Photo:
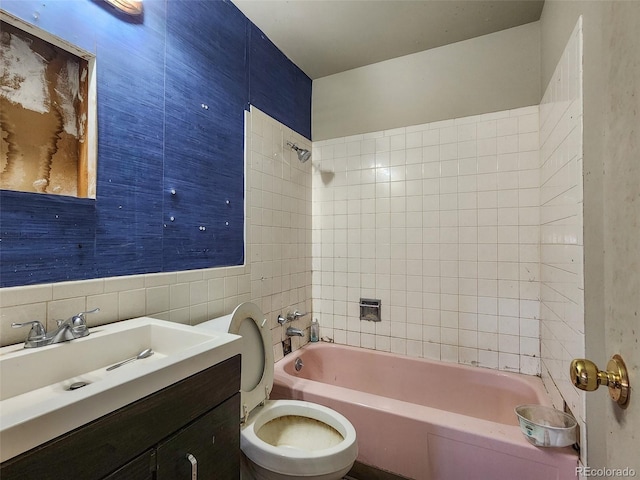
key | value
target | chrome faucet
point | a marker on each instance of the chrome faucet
(294, 332)
(74, 327)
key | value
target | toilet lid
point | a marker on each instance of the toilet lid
(257, 355)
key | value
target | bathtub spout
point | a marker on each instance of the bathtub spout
(294, 332)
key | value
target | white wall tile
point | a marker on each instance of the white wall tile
(446, 229)
(561, 249)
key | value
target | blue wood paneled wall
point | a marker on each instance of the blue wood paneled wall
(172, 90)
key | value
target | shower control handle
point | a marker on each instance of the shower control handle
(291, 316)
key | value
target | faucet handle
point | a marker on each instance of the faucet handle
(77, 323)
(291, 316)
(37, 331)
(79, 317)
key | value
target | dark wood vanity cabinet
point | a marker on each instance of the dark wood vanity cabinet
(152, 438)
(207, 441)
(140, 468)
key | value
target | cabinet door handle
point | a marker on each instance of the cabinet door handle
(194, 466)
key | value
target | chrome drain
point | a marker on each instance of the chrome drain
(77, 385)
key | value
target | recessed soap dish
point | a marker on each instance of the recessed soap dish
(370, 309)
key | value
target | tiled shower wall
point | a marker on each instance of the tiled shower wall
(441, 222)
(279, 219)
(277, 275)
(561, 215)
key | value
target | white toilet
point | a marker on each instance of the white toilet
(282, 439)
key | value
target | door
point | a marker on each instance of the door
(621, 230)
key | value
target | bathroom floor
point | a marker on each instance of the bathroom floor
(360, 471)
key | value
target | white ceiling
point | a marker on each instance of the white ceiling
(324, 37)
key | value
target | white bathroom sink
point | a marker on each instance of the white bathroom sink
(37, 404)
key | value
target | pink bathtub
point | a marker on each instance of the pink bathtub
(423, 419)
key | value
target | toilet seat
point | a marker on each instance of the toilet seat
(257, 353)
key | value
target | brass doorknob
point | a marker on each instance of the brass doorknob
(586, 376)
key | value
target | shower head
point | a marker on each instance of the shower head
(303, 153)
